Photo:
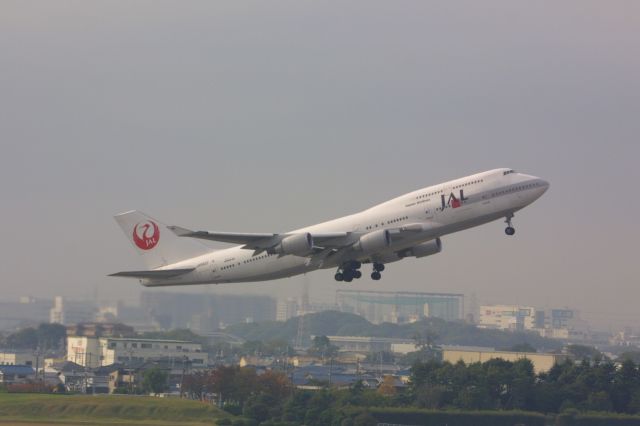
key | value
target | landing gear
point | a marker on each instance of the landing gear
(349, 271)
(509, 230)
(348, 275)
(377, 268)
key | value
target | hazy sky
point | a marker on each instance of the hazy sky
(267, 116)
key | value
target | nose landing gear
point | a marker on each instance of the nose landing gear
(509, 230)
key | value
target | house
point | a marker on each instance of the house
(10, 374)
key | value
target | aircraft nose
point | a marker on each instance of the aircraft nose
(543, 187)
(545, 183)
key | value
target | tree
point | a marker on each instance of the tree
(426, 342)
(431, 396)
(222, 382)
(257, 409)
(380, 357)
(522, 347)
(388, 386)
(581, 352)
(322, 347)
(154, 380)
(521, 387)
(27, 338)
(364, 419)
(632, 355)
(275, 384)
(45, 337)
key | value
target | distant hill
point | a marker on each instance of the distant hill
(334, 323)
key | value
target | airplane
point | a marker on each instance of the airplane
(410, 225)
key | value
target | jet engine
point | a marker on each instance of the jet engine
(373, 241)
(424, 249)
(296, 245)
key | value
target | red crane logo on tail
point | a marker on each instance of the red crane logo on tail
(146, 235)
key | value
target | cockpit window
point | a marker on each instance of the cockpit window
(508, 172)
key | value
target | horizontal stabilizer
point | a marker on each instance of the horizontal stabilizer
(163, 273)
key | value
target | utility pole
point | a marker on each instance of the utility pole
(302, 311)
(184, 367)
(330, 369)
(130, 371)
(37, 354)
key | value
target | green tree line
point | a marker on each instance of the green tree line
(333, 323)
(44, 337)
(496, 388)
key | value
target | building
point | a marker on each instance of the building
(10, 374)
(372, 344)
(128, 378)
(542, 362)
(204, 312)
(400, 307)
(562, 324)
(119, 312)
(96, 329)
(71, 312)
(507, 317)
(286, 309)
(626, 337)
(19, 358)
(23, 312)
(95, 352)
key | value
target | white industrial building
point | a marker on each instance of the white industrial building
(19, 358)
(95, 352)
(69, 312)
(507, 317)
(553, 323)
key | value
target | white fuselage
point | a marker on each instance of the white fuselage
(476, 200)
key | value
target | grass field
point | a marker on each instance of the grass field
(43, 409)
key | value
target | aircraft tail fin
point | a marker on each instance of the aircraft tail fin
(157, 245)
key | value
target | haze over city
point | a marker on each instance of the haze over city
(266, 117)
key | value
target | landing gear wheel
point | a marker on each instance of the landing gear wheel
(348, 275)
(510, 230)
(338, 276)
(378, 266)
(375, 275)
(357, 274)
(348, 279)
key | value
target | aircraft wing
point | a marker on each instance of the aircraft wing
(163, 273)
(223, 237)
(264, 241)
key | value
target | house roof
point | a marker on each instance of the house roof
(16, 369)
(68, 366)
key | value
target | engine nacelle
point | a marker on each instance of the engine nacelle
(296, 245)
(373, 241)
(425, 249)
